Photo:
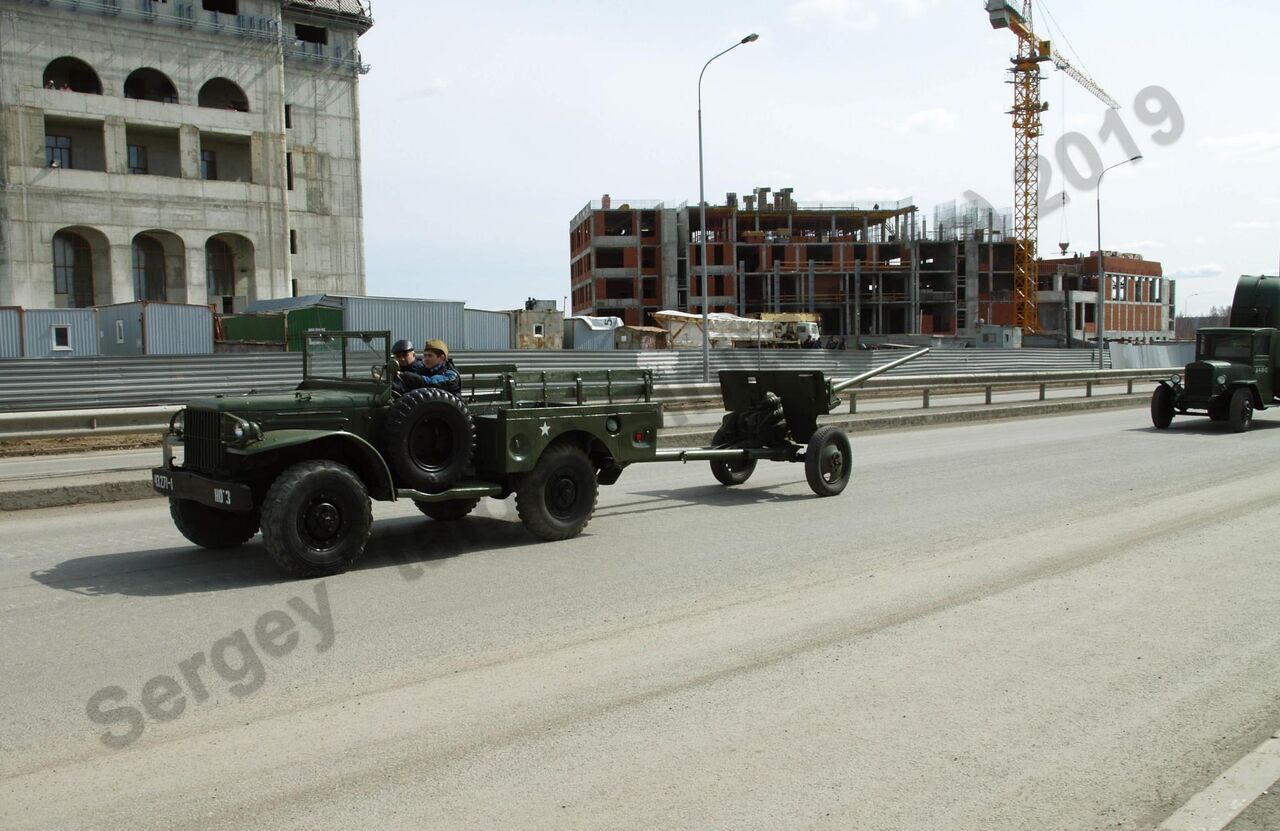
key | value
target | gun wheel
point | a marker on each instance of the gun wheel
(556, 499)
(729, 473)
(828, 461)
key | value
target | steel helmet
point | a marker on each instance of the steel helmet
(402, 346)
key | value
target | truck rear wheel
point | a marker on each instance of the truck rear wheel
(557, 498)
(729, 473)
(1240, 410)
(828, 461)
(450, 511)
(316, 519)
(211, 528)
(1162, 407)
(429, 437)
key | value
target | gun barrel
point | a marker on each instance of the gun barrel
(841, 386)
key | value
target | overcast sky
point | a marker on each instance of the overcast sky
(487, 126)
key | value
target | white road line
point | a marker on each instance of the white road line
(1217, 805)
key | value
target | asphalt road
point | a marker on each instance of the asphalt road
(1055, 623)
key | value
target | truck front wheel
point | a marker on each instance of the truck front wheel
(557, 498)
(316, 519)
(1162, 407)
(211, 528)
(1240, 410)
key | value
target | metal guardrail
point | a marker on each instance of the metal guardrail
(124, 420)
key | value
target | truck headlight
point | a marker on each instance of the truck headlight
(1221, 379)
(237, 432)
(1175, 378)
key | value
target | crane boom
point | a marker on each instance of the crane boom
(1032, 51)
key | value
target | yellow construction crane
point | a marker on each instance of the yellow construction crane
(1032, 51)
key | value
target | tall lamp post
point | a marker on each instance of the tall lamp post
(1102, 277)
(702, 215)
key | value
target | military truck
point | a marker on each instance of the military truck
(1233, 373)
(301, 466)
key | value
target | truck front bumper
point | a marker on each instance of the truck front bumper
(184, 484)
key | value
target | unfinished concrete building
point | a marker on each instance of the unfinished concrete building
(866, 270)
(190, 151)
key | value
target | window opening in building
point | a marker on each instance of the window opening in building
(137, 158)
(220, 6)
(293, 241)
(288, 116)
(61, 336)
(648, 257)
(220, 270)
(72, 271)
(288, 170)
(537, 330)
(221, 94)
(311, 34)
(150, 85)
(209, 165)
(57, 151)
(294, 286)
(72, 75)
(148, 269)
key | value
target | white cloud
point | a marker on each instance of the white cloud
(916, 8)
(1139, 245)
(1196, 272)
(850, 15)
(1253, 225)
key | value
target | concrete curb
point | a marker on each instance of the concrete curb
(129, 485)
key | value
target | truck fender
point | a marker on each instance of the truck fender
(369, 462)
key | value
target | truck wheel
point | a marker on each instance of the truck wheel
(1240, 410)
(729, 473)
(316, 518)
(828, 461)
(429, 436)
(1162, 407)
(454, 509)
(211, 528)
(556, 499)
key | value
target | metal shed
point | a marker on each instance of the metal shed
(584, 332)
(10, 332)
(487, 330)
(148, 328)
(405, 317)
(59, 333)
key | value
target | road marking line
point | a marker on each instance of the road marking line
(1217, 805)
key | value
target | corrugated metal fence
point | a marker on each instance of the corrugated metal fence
(38, 384)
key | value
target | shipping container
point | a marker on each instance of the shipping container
(59, 333)
(148, 328)
(300, 321)
(10, 332)
(268, 327)
(486, 330)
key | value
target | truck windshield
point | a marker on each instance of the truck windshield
(1235, 348)
(338, 356)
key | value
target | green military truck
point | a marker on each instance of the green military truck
(302, 466)
(1234, 371)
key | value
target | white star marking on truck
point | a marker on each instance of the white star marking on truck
(545, 428)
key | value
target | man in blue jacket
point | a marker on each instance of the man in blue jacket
(438, 370)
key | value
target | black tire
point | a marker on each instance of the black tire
(316, 519)
(1217, 413)
(211, 528)
(450, 511)
(429, 437)
(556, 499)
(1162, 407)
(729, 473)
(828, 461)
(1240, 410)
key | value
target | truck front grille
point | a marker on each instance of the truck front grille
(201, 439)
(1199, 379)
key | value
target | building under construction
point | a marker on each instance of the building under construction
(867, 270)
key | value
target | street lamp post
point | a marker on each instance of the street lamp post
(1102, 277)
(702, 215)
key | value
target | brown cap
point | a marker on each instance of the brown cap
(437, 346)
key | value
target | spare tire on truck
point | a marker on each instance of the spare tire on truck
(428, 438)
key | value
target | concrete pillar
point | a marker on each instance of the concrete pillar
(196, 291)
(115, 148)
(122, 272)
(189, 151)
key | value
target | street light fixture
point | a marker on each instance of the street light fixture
(1102, 278)
(702, 215)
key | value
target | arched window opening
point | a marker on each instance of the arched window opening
(72, 271)
(148, 269)
(71, 75)
(221, 94)
(150, 85)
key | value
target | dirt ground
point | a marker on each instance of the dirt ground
(79, 444)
